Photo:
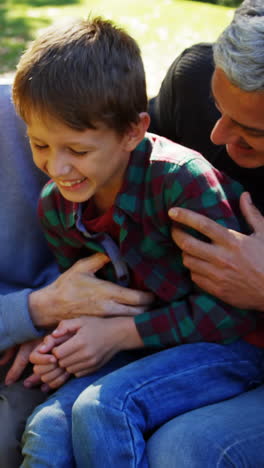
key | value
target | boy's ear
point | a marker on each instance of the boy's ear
(137, 131)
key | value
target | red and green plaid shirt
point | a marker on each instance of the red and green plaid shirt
(160, 175)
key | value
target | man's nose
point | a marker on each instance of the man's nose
(224, 132)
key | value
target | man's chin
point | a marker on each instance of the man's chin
(245, 157)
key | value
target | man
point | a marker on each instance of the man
(231, 266)
(31, 298)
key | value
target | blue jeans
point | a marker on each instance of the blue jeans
(229, 434)
(118, 407)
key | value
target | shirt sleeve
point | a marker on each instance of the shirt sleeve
(16, 325)
(193, 315)
(18, 330)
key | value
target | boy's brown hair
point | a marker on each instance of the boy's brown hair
(84, 73)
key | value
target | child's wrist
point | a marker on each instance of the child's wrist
(129, 337)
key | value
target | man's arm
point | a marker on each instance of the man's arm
(78, 292)
(231, 267)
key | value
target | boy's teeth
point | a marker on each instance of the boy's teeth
(74, 182)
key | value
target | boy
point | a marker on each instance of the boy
(81, 91)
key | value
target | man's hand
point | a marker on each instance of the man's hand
(20, 362)
(232, 266)
(7, 355)
(78, 292)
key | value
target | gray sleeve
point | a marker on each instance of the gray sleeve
(15, 323)
(26, 262)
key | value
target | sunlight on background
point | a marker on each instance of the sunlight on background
(163, 28)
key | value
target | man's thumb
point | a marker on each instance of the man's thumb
(93, 263)
(251, 213)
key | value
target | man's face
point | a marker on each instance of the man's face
(83, 164)
(241, 125)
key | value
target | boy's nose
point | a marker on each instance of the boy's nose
(58, 166)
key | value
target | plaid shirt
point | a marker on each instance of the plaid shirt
(160, 175)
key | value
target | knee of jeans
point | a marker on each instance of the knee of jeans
(42, 420)
(88, 398)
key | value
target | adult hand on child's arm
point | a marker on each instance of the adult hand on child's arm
(78, 292)
(95, 341)
(231, 267)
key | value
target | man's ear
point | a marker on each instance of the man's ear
(136, 132)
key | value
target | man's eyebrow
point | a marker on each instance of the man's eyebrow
(258, 131)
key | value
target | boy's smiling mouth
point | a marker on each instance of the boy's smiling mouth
(71, 183)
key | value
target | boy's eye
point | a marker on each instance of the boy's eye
(78, 153)
(40, 147)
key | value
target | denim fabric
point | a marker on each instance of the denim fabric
(229, 434)
(47, 438)
(118, 409)
(16, 404)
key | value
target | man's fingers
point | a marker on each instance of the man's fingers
(251, 213)
(93, 263)
(32, 381)
(17, 368)
(199, 222)
(193, 246)
(205, 283)
(7, 355)
(132, 297)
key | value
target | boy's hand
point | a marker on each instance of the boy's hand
(46, 367)
(94, 343)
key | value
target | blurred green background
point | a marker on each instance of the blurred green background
(162, 28)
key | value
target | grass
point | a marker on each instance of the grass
(162, 28)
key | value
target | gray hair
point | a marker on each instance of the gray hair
(239, 51)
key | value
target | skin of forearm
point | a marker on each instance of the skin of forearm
(42, 307)
(125, 327)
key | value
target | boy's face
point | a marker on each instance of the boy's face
(83, 164)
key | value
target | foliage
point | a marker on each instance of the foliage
(163, 28)
(228, 3)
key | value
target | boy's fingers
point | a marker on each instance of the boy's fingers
(42, 359)
(59, 381)
(251, 213)
(65, 349)
(53, 375)
(47, 344)
(44, 369)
